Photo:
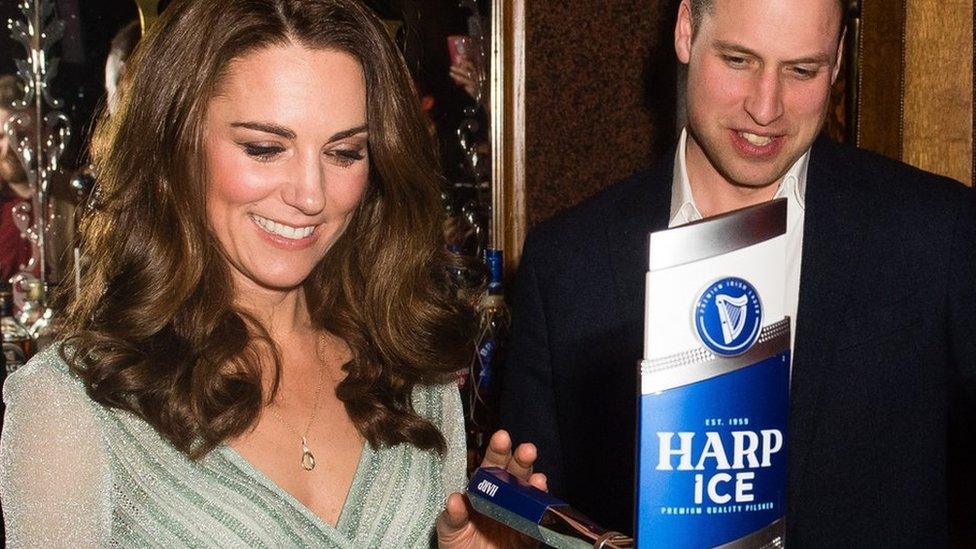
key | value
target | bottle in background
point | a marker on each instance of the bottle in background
(33, 307)
(18, 346)
(482, 401)
(36, 316)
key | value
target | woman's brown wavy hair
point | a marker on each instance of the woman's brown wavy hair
(154, 329)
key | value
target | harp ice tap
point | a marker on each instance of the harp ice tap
(712, 456)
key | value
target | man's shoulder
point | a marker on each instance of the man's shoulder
(588, 217)
(886, 178)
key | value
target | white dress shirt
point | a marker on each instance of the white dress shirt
(793, 187)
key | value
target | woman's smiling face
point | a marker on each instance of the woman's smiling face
(286, 148)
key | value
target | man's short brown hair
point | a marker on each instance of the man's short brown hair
(699, 8)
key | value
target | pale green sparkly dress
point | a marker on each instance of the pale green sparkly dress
(76, 474)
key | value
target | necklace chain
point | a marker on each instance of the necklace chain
(308, 459)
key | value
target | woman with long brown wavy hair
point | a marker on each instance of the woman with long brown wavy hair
(259, 350)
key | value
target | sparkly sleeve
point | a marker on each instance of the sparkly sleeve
(452, 427)
(55, 482)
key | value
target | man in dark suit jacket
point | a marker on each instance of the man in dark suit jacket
(884, 369)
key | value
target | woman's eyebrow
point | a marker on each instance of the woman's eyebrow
(348, 133)
(290, 134)
(266, 127)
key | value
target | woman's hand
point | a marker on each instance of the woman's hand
(458, 527)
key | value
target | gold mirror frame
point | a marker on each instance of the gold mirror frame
(508, 225)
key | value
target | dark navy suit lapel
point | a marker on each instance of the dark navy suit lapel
(633, 218)
(833, 221)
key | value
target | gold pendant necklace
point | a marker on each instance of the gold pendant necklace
(308, 458)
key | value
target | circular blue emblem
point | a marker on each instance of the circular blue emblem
(728, 316)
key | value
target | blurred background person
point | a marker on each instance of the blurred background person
(15, 250)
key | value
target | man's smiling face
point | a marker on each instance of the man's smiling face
(759, 78)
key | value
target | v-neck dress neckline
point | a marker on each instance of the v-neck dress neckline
(351, 507)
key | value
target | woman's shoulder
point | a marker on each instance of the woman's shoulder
(46, 380)
(47, 367)
(441, 405)
(436, 401)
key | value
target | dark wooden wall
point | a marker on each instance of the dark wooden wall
(600, 96)
(916, 83)
(880, 58)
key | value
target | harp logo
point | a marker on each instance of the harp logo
(728, 316)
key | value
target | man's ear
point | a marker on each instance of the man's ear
(840, 56)
(683, 32)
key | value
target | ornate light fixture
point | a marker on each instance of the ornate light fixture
(38, 131)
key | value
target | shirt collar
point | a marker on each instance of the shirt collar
(793, 186)
(682, 203)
